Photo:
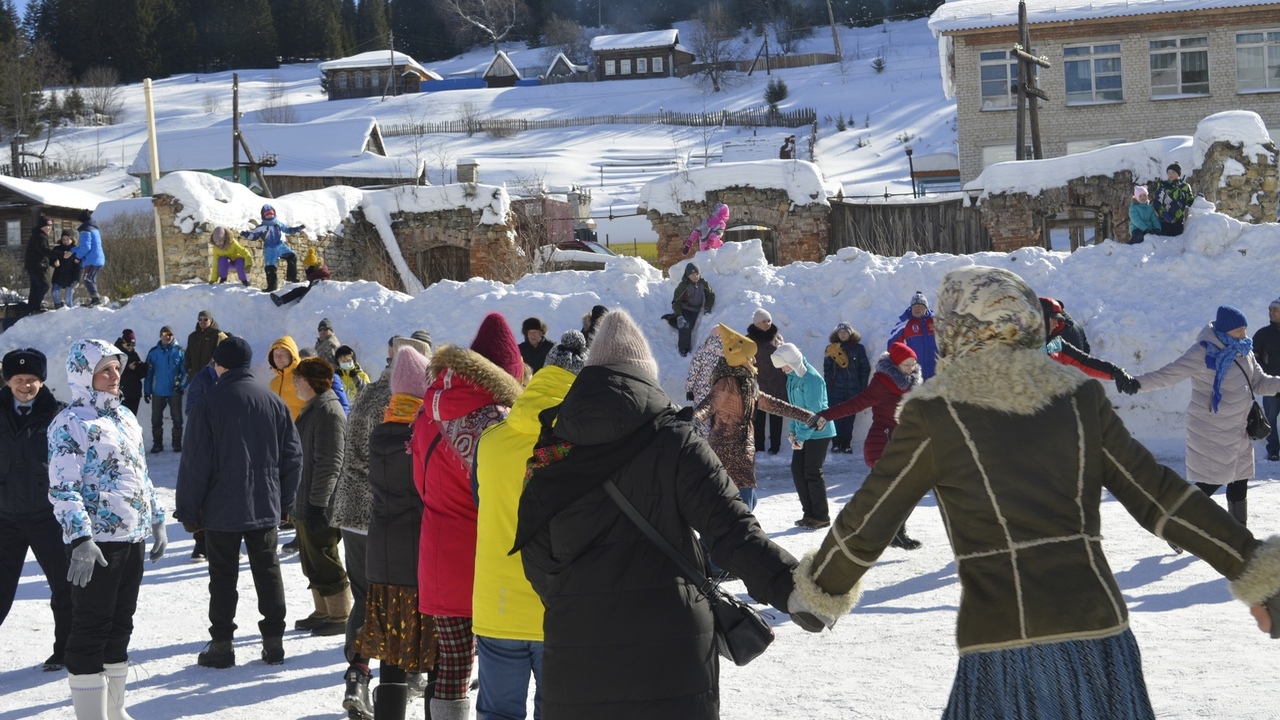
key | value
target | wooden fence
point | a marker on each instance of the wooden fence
(751, 117)
(894, 229)
(38, 170)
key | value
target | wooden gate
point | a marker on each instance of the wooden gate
(444, 262)
(920, 226)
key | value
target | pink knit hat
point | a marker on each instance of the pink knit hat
(409, 372)
(1139, 192)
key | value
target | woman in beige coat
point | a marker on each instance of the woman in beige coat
(1224, 378)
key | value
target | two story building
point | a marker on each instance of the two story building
(1120, 70)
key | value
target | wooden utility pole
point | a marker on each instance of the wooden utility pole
(1028, 92)
(764, 50)
(235, 127)
(835, 39)
(391, 74)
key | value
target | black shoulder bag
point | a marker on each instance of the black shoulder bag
(1256, 425)
(742, 635)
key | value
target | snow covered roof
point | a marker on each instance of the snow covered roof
(561, 60)
(936, 162)
(501, 66)
(43, 193)
(635, 41)
(374, 59)
(802, 181)
(975, 14)
(321, 148)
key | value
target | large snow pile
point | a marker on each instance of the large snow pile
(1241, 128)
(802, 181)
(1142, 305)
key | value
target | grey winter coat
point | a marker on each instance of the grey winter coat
(1219, 450)
(322, 429)
(351, 499)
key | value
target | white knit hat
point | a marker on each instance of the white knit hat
(789, 354)
(618, 341)
(761, 315)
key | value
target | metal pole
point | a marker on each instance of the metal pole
(911, 164)
(235, 127)
(154, 161)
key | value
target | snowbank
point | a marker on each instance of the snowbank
(55, 194)
(802, 181)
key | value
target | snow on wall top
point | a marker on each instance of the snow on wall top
(493, 202)
(974, 14)
(320, 148)
(802, 180)
(635, 41)
(1146, 159)
(211, 200)
(374, 59)
(52, 193)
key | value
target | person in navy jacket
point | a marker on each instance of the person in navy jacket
(915, 328)
(163, 387)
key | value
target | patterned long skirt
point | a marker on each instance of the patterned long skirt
(1070, 680)
(395, 632)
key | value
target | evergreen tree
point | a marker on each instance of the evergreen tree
(10, 27)
(421, 31)
(254, 42)
(351, 22)
(374, 25)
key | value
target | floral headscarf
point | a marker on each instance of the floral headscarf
(981, 308)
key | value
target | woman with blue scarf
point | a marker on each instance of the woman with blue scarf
(1224, 378)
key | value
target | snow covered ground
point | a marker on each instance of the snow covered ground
(894, 656)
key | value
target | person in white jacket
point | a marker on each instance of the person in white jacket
(1224, 378)
(103, 498)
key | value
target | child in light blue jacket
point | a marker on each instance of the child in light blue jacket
(1142, 217)
(807, 389)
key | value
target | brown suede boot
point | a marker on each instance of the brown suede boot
(317, 617)
(337, 608)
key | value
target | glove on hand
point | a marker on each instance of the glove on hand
(707, 311)
(1126, 384)
(805, 616)
(83, 557)
(190, 526)
(816, 421)
(681, 323)
(147, 397)
(314, 519)
(159, 541)
(1270, 611)
(244, 233)
(689, 396)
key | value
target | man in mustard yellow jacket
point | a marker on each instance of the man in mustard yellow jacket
(507, 612)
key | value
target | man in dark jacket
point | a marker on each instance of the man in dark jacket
(26, 517)
(1266, 347)
(237, 478)
(163, 386)
(133, 372)
(200, 344)
(692, 298)
(36, 263)
(534, 348)
(772, 381)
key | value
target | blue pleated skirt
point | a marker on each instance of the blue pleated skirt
(1071, 680)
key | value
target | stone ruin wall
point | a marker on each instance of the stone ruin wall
(801, 232)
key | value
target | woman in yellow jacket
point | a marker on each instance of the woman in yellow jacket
(507, 613)
(283, 359)
(227, 253)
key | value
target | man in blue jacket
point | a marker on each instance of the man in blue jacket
(915, 328)
(236, 480)
(163, 387)
(89, 252)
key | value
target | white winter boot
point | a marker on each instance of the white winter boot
(117, 675)
(450, 709)
(89, 696)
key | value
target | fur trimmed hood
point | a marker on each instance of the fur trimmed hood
(1006, 379)
(903, 383)
(451, 362)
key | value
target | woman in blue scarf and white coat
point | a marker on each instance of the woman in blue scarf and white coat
(1224, 378)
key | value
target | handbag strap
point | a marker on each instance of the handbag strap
(1246, 376)
(706, 586)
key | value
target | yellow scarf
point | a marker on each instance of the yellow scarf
(403, 409)
(835, 351)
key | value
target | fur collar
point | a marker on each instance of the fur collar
(1015, 381)
(762, 337)
(477, 369)
(904, 383)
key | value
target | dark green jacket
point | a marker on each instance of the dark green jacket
(1018, 449)
(677, 301)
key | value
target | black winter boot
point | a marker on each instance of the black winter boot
(217, 654)
(389, 701)
(904, 541)
(273, 650)
(356, 699)
(291, 267)
(271, 278)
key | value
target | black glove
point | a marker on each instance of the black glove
(244, 233)
(314, 518)
(1273, 609)
(302, 226)
(689, 396)
(707, 311)
(147, 397)
(190, 526)
(1126, 384)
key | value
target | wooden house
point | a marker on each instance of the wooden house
(562, 69)
(369, 74)
(302, 156)
(653, 54)
(501, 73)
(22, 202)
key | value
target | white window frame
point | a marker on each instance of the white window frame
(610, 68)
(624, 66)
(642, 66)
(342, 81)
(375, 79)
(1268, 42)
(13, 233)
(657, 64)
(1091, 56)
(358, 78)
(1180, 50)
(986, 60)
(992, 154)
(1075, 147)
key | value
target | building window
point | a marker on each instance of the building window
(13, 233)
(1180, 66)
(642, 66)
(375, 79)
(1093, 73)
(657, 64)
(1075, 147)
(610, 68)
(624, 67)
(1258, 61)
(342, 81)
(992, 154)
(359, 79)
(999, 75)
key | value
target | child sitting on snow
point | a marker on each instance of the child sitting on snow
(316, 272)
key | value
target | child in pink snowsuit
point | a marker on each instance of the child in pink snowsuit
(707, 235)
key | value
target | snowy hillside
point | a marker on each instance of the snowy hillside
(892, 658)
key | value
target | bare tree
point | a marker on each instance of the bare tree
(489, 19)
(715, 43)
(25, 70)
(563, 35)
(102, 92)
(277, 108)
(469, 113)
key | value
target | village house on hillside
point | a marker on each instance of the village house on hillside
(653, 54)
(501, 73)
(1120, 70)
(306, 156)
(22, 202)
(367, 75)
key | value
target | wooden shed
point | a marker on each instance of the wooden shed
(653, 54)
(22, 202)
(501, 73)
(368, 75)
(562, 69)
